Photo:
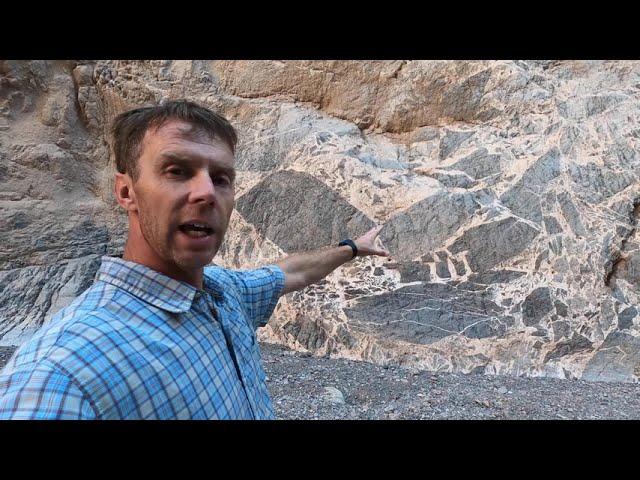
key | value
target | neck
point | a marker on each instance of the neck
(139, 251)
(172, 271)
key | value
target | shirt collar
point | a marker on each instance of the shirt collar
(153, 287)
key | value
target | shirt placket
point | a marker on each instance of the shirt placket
(222, 314)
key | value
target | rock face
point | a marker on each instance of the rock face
(509, 193)
(278, 210)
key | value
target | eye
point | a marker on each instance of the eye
(175, 171)
(221, 180)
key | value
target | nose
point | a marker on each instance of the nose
(202, 189)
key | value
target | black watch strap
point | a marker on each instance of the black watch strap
(352, 244)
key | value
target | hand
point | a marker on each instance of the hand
(366, 244)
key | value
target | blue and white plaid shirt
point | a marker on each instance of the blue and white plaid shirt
(140, 345)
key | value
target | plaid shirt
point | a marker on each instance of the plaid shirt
(140, 345)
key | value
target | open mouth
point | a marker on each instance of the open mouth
(196, 230)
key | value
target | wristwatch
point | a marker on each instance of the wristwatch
(352, 244)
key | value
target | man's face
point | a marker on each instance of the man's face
(184, 196)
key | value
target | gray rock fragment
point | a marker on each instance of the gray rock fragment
(451, 141)
(537, 304)
(427, 224)
(571, 214)
(625, 318)
(333, 396)
(427, 312)
(617, 359)
(479, 164)
(490, 244)
(315, 215)
(524, 198)
(551, 225)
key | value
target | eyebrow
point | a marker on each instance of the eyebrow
(172, 157)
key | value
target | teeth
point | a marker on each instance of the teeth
(197, 225)
(196, 230)
(196, 233)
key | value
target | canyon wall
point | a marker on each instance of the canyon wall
(508, 190)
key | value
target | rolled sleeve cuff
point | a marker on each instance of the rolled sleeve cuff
(278, 276)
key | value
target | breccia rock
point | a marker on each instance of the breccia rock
(285, 202)
(508, 191)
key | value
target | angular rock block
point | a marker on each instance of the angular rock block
(298, 212)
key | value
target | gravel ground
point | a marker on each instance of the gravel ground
(299, 384)
(306, 387)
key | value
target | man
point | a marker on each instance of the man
(160, 335)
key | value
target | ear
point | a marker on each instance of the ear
(124, 192)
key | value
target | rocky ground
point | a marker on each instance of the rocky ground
(306, 387)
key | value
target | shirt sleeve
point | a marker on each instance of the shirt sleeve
(43, 393)
(259, 291)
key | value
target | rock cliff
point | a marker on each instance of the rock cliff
(508, 189)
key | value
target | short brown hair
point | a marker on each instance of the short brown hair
(129, 129)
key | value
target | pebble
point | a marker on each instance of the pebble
(333, 396)
(502, 390)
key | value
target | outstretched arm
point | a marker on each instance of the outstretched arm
(304, 269)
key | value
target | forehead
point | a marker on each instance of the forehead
(181, 137)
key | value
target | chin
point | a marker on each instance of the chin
(195, 261)
(190, 259)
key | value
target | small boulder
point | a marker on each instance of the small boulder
(333, 396)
